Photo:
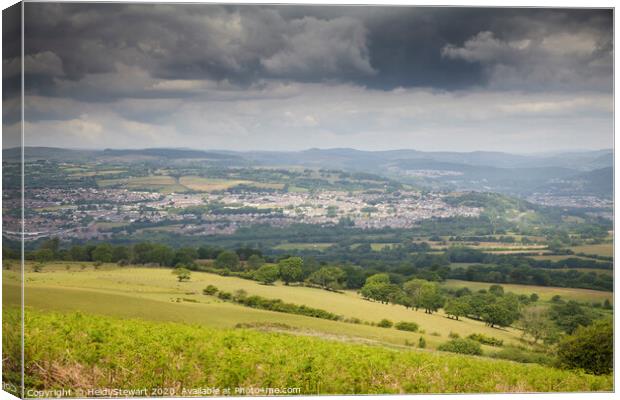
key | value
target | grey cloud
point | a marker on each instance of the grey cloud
(555, 61)
(323, 48)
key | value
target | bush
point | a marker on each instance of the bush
(517, 354)
(461, 346)
(454, 335)
(210, 290)
(590, 348)
(385, 323)
(421, 342)
(224, 295)
(407, 326)
(484, 339)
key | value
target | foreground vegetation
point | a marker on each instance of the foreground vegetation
(83, 351)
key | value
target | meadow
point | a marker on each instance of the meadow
(154, 293)
(545, 292)
(602, 249)
(83, 352)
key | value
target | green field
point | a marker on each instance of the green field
(603, 249)
(201, 184)
(545, 292)
(157, 183)
(120, 353)
(107, 296)
(152, 293)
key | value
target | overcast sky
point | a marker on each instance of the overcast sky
(293, 77)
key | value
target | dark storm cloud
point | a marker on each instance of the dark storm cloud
(294, 77)
(378, 47)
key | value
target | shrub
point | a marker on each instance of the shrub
(421, 342)
(210, 290)
(517, 354)
(182, 274)
(435, 334)
(267, 274)
(224, 295)
(407, 326)
(589, 348)
(461, 346)
(453, 335)
(484, 339)
(385, 323)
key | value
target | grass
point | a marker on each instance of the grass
(201, 184)
(158, 183)
(603, 249)
(152, 293)
(81, 351)
(545, 292)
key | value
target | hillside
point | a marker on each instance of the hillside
(127, 354)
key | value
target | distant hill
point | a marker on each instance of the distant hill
(559, 173)
(169, 153)
(592, 183)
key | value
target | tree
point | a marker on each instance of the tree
(355, 276)
(569, 316)
(430, 297)
(78, 253)
(44, 255)
(255, 261)
(329, 278)
(210, 290)
(52, 244)
(497, 290)
(413, 290)
(456, 308)
(502, 312)
(535, 322)
(378, 279)
(208, 252)
(103, 253)
(589, 348)
(291, 269)
(185, 256)
(227, 259)
(120, 253)
(379, 288)
(267, 274)
(182, 274)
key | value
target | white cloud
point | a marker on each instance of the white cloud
(337, 115)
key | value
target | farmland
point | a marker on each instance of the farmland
(603, 249)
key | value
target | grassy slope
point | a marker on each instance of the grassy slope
(82, 351)
(151, 294)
